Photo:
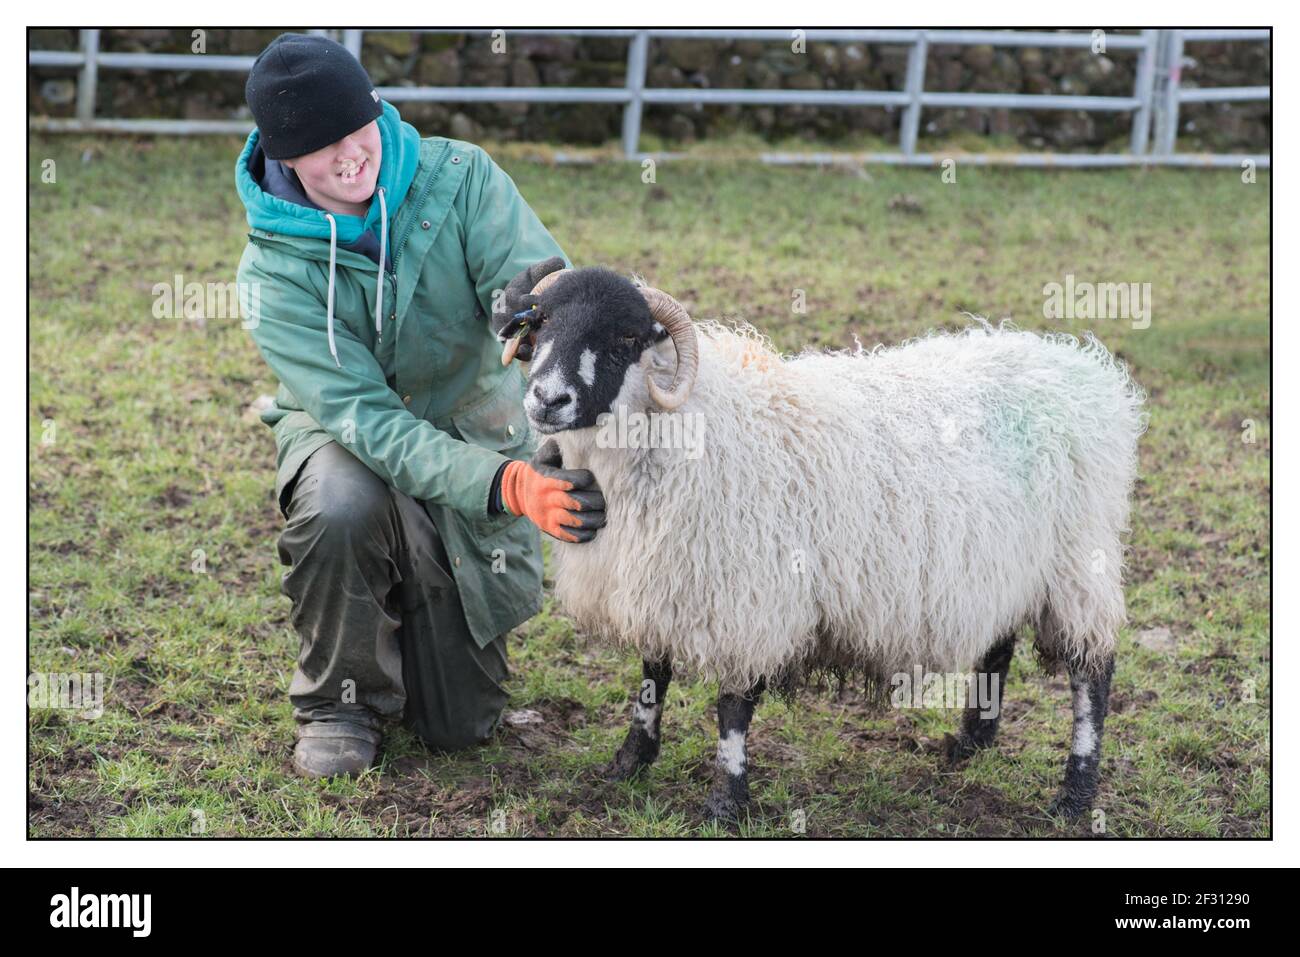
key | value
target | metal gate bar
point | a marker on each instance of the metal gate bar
(1174, 94)
(1157, 94)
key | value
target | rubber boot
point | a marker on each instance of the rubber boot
(327, 748)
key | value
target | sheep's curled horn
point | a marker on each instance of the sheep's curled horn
(669, 313)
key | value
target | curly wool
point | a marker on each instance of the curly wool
(866, 511)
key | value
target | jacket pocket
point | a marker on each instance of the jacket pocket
(498, 422)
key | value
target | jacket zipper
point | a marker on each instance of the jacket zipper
(424, 195)
(406, 233)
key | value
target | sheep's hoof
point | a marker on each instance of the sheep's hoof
(1069, 805)
(957, 749)
(630, 760)
(723, 808)
(728, 798)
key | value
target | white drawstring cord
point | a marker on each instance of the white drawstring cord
(379, 286)
(329, 296)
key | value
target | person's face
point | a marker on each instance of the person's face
(346, 171)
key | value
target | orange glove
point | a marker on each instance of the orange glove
(564, 503)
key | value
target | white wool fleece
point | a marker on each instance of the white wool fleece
(866, 510)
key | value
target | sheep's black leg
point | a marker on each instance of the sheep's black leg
(641, 746)
(978, 726)
(1091, 695)
(730, 792)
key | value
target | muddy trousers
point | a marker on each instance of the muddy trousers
(377, 612)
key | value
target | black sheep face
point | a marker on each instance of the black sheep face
(597, 328)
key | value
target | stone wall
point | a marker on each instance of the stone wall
(397, 59)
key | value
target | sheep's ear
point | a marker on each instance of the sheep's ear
(526, 279)
(518, 293)
(507, 326)
(661, 349)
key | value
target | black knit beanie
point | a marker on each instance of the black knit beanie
(307, 92)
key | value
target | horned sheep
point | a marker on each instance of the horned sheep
(863, 512)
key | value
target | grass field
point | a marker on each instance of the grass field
(144, 468)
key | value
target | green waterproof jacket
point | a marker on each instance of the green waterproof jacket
(399, 365)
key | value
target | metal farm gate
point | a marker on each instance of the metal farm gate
(1155, 101)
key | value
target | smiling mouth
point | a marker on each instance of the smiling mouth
(351, 171)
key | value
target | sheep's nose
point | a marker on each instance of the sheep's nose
(552, 402)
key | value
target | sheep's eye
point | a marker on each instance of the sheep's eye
(630, 340)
